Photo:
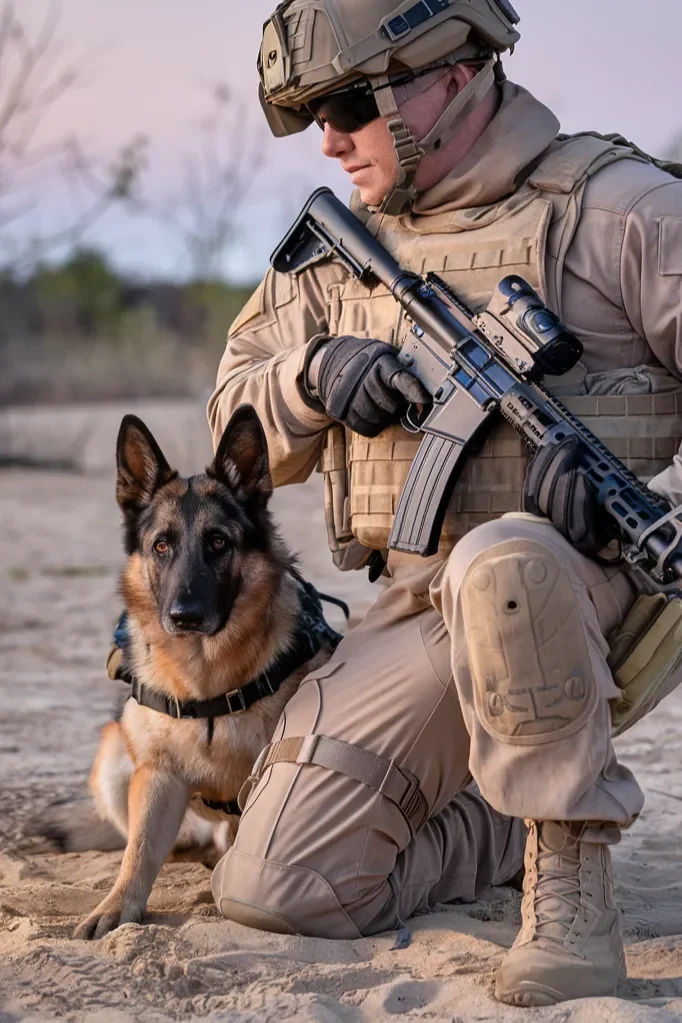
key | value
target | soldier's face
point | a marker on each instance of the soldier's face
(368, 155)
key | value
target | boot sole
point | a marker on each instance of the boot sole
(531, 995)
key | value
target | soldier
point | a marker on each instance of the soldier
(488, 660)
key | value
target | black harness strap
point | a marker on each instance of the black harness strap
(229, 806)
(311, 632)
(337, 602)
(236, 700)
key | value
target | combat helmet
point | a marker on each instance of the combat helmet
(314, 48)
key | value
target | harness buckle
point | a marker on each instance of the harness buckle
(266, 685)
(235, 701)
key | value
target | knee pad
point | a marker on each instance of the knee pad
(532, 675)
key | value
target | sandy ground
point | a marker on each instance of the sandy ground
(59, 559)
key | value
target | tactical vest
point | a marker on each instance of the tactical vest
(528, 234)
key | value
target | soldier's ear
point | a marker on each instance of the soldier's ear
(241, 460)
(141, 468)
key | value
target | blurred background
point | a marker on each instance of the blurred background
(141, 193)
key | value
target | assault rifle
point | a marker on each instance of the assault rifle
(476, 367)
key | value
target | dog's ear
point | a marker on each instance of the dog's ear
(241, 460)
(141, 467)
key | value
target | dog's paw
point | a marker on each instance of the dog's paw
(110, 914)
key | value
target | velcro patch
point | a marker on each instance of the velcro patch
(670, 246)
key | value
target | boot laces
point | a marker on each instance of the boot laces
(558, 891)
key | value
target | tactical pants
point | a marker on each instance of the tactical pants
(490, 664)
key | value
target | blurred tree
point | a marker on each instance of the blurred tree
(82, 296)
(216, 180)
(33, 80)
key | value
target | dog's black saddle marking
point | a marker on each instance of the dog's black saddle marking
(312, 631)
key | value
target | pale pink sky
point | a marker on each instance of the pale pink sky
(610, 65)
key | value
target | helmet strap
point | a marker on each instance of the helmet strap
(409, 152)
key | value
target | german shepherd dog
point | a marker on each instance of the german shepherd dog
(213, 600)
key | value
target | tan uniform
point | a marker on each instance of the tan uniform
(335, 843)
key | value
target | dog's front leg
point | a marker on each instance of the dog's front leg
(157, 801)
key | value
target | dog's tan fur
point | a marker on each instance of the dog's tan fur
(151, 770)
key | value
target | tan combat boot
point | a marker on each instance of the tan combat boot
(570, 944)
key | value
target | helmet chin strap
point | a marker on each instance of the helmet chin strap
(410, 152)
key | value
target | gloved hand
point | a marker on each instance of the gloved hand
(557, 488)
(361, 383)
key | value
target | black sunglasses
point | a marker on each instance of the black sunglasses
(349, 110)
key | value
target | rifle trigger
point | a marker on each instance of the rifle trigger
(411, 421)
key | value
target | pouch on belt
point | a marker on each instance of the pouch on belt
(645, 658)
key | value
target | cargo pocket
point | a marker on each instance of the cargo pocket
(324, 671)
(255, 785)
(257, 782)
(334, 471)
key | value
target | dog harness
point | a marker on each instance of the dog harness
(311, 633)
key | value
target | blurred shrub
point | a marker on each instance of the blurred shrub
(81, 332)
(83, 295)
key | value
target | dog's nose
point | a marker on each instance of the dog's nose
(186, 615)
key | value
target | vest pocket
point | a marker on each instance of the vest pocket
(645, 658)
(378, 468)
(368, 312)
(336, 504)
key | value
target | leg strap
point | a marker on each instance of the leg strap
(377, 773)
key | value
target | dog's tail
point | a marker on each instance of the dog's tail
(73, 826)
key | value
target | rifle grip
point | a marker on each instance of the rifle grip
(425, 495)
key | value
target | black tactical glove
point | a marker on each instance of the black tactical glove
(556, 487)
(361, 383)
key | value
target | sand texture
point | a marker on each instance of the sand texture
(60, 556)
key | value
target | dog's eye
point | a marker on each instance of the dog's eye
(217, 543)
(161, 546)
